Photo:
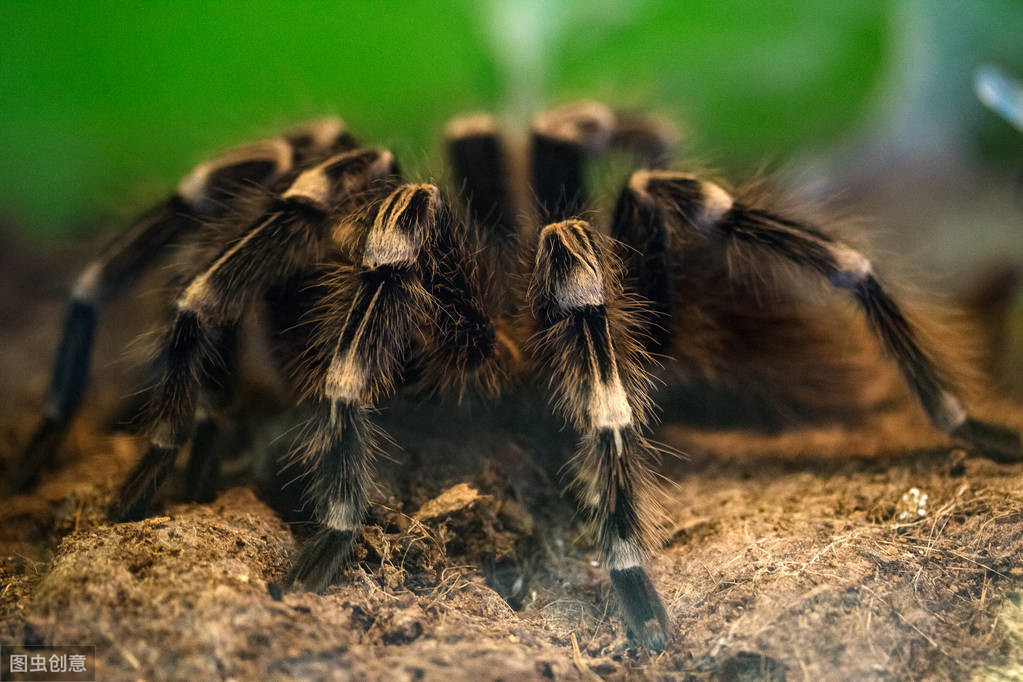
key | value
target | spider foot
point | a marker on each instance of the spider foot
(203, 468)
(37, 455)
(136, 493)
(996, 442)
(321, 560)
(644, 613)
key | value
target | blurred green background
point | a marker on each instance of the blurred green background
(105, 104)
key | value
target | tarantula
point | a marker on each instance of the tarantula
(370, 283)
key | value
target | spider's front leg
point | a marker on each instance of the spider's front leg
(586, 339)
(371, 324)
(288, 237)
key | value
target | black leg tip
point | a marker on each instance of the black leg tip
(996, 442)
(37, 455)
(203, 470)
(125, 511)
(136, 493)
(644, 613)
(321, 561)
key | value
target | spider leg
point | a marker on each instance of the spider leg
(292, 234)
(203, 194)
(708, 210)
(563, 138)
(193, 354)
(476, 152)
(203, 469)
(384, 305)
(311, 143)
(315, 141)
(653, 140)
(473, 257)
(219, 379)
(585, 340)
(463, 350)
(647, 258)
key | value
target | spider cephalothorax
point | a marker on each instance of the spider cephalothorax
(467, 290)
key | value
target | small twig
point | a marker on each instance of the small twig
(580, 665)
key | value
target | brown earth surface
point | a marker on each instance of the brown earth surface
(795, 556)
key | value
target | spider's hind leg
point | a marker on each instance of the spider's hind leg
(586, 340)
(477, 152)
(748, 233)
(206, 193)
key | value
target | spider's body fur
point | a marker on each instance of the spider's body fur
(369, 283)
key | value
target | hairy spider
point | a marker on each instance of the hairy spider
(370, 283)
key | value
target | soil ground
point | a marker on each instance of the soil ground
(801, 555)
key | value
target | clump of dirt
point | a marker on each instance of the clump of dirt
(413, 551)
